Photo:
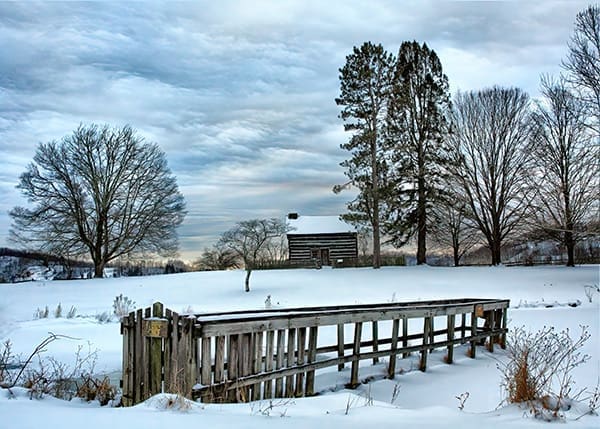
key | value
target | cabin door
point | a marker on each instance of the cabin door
(324, 256)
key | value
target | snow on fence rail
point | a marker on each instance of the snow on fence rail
(259, 354)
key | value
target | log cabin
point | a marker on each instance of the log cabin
(321, 240)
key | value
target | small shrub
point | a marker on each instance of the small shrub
(58, 311)
(72, 312)
(92, 389)
(104, 317)
(58, 379)
(41, 314)
(539, 369)
(6, 361)
(462, 399)
(122, 306)
(590, 291)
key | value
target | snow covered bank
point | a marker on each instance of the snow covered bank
(413, 398)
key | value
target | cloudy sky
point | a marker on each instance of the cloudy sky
(240, 94)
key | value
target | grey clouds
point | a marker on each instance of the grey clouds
(240, 94)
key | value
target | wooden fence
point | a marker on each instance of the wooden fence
(250, 355)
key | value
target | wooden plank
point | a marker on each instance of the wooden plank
(312, 357)
(206, 362)
(375, 337)
(473, 349)
(223, 327)
(167, 351)
(140, 364)
(393, 348)
(355, 355)
(189, 350)
(219, 374)
(463, 325)
(257, 363)
(155, 355)
(455, 306)
(299, 390)
(289, 380)
(426, 339)
(246, 362)
(233, 365)
(279, 362)
(450, 337)
(340, 341)
(172, 368)
(127, 365)
(269, 351)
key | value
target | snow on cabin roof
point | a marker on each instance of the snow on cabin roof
(319, 225)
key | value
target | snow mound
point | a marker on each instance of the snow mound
(171, 401)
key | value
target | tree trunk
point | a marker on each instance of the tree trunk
(421, 236)
(570, 244)
(375, 190)
(247, 283)
(495, 250)
(98, 269)
(421, 211)
(456, 256)
(376, 246)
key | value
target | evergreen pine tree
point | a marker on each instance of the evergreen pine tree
(365, 85)
(417, 124)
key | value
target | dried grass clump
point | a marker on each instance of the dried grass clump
(540, 367)
(100, 389)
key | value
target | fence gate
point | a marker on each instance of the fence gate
(158, 354)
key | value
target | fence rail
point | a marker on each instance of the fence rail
(258, 354)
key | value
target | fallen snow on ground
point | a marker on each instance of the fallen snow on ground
(540, 296)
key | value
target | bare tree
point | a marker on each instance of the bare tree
(452, 227)
(217, 258)
(583, 61)
(101, 191)
(566, 168)
(491, 129)
(249, 240)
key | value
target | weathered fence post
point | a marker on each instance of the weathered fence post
(128, 332)
(504, 323)
(340, 344)
(405, 335)
(473, 349)
(375, 340)
(426, 339)
(492, 325)
(355, 355)
(451, 322)
(393, 348)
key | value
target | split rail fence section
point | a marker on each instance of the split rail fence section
(250, 355)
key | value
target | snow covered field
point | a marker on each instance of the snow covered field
(539, 297)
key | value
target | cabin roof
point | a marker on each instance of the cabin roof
(319, 225)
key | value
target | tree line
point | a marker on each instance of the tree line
(478, 167)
